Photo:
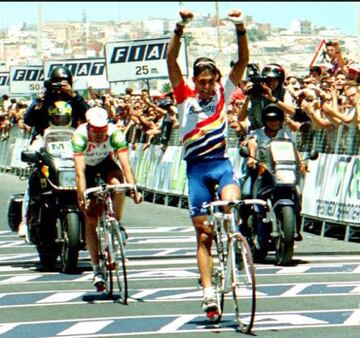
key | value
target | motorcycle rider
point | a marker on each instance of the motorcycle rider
(95, 144)
(41, 114)
(258, 141)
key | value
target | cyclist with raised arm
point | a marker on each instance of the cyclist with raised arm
(203, 128)
(95, 145)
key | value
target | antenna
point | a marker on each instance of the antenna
(218, 24)
(357, 30)
(39, 32)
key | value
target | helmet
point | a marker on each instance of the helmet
(60, 114)
(97, 117)
(272, 112)
(274, 70)
(60, 73)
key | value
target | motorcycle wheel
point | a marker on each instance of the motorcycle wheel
(71, 242)
(14, 211)
(285, 242)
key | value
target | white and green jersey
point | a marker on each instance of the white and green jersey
(96, 152)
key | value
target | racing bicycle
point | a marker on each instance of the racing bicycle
(111, 246)
(233, 267)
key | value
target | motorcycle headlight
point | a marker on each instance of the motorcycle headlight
(67, 178)
(285, 176)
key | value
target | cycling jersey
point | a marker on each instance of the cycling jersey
(96, 152)
(203, 124)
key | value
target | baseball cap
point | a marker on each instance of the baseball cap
(97, 117)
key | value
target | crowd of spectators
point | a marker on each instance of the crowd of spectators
(323, 102)
(11, 113)
(144, 118)
(326, 101)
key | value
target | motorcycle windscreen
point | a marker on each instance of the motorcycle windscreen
(58, 143)
(282, 151)
(284, 162)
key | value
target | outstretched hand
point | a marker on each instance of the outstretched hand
(237, 17)
(186, 16)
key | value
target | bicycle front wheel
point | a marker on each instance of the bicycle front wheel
(243, 283)
(218, 278)
(118, 276)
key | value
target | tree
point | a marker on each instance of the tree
(166, 87)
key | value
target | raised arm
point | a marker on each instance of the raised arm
(239, 67)
(174, 70)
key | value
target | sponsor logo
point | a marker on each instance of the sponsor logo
(23, 74)
(145, 52)
(4, 80)
(89, 68)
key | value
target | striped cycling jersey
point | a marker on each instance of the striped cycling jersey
(203, 125)
(96, 152)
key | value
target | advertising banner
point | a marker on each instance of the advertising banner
(26, 80)
(332, 188)
(86, 72)
(140, 59)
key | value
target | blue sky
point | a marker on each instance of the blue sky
(336, 14)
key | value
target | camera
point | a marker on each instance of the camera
(52, 87)
(253, 75)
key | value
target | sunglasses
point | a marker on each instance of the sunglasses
(98, 129)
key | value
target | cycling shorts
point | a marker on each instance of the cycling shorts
(103, 168)
(203, 176)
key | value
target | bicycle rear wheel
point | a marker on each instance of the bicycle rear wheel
(118, 275)
(243, 283)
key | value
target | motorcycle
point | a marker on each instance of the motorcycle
(55, 223)
(276, 180)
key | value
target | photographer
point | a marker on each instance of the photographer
(44, 111)
(263, 89)
(57, 88)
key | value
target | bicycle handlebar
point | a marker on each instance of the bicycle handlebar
(234, 203)
(99, 190)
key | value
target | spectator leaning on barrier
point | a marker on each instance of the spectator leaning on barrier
(349, 115)
(203, 124)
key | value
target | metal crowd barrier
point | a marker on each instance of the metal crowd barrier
(161, 175)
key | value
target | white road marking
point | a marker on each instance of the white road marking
(85, 328)
(177, 323)
(295, 290)
(354, 319)
(61, 297)
(165, 252)
(293, 269)
(6, 327)
(19, 279)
